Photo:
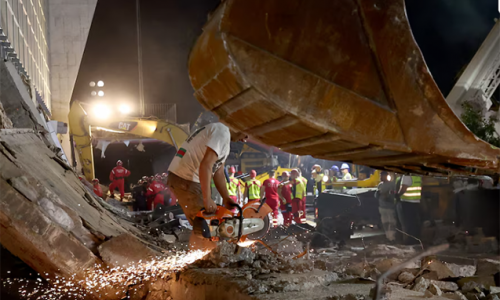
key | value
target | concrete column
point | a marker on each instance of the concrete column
(69, 26)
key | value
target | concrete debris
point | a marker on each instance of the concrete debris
(487, 267)
(428, 294)
(421, 285)
(435, 290)
(389, 250)
(224, 255)
(442, 271)
(481, 245)
(494, 290)
(481, 282)
(455, 296)
(492, 297)
(124, 250)
(462, 270)
(25, 187)
(406, 277)
(446, 286)
(384, 265)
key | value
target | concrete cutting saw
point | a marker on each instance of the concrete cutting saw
(251, 222)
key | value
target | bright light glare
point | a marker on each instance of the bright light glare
(100, 93)
(246, 243)
(124, 109)
(100, 83)
(325, 178)
(101, 111)
(389, 177)
(92, 84)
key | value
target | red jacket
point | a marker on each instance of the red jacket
(118, 172)
(154, 189)
(98, 190)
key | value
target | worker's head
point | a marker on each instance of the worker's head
(140, 182)
(384, 176)
(294, 174)
(119, 163)
(144, 178)
(95, 181)
(232, 170)
(344, 168)
(253, 174)
(316, 168)
(285, 175)
(272, 174)
(238, 136)
(158, 177)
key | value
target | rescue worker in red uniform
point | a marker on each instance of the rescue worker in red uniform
(285, 193)
(270, 190)
(233, 187)
(298, 194)
(155, 193)
(97, 187)
(117, 176)
(252, 187)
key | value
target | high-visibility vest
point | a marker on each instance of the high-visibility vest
(319, 179)
(232, 186)
(414, 192)
(253, 189)
(299, 186)
(212, 184)
(347, 176)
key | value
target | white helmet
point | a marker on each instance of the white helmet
(344, 166)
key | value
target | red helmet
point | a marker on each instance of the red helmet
(119, 163)
(145, 178)
(285, 174)
(95, 180)
(253, 173)
(163, 175)
(232, 170)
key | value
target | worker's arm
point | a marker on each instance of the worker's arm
(111, 175)
(205, 174)
(245, 193)
(404, 185)
(283, 200)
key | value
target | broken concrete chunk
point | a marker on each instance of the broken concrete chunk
(406, 277)
(455, 296)
(462, 270)
(492, 297)
(442, 271)
(446, 286)
(56, 214)
(384, 265)
(428, 294)
(432, 275)
(470, 283)
(358, 269)
(487, 267)
(24, 187)
(494, 290)
(421, 285)
(434, 289)
(123, 250)
(400, 251)
(224, 254)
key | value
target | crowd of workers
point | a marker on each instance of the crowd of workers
(147, 193)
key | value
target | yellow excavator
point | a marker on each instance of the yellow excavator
(339, 80)
(81, 125)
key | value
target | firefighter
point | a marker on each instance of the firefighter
(285, 193)
(345, 172)
(233, 187)
(298, 194)
(117, 176)
(97, 187)
(252, 187)
(270, 190)
(155, 193)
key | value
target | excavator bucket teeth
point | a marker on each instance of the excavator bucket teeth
(341, 80)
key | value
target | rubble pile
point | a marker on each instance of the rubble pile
(452, 281)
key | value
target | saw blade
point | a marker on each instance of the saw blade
(263, 232)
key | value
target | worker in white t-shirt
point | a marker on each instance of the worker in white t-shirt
(199, 159)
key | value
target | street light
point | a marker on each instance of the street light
(101, 111)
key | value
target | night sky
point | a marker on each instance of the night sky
(449, 32)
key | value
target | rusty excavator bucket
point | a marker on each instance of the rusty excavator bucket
(340, 80)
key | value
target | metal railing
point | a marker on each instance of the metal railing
(23, 40)
(164, 111)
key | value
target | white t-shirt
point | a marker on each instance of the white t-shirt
(406, 180)
(186, 162)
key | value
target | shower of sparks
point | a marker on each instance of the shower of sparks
(99, 281)
(246, 243)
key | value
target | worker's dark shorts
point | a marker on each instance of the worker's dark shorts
(188, 195)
